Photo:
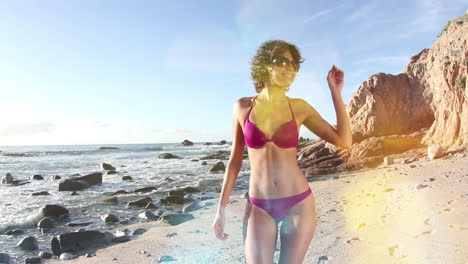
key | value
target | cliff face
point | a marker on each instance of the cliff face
(388, 104)
(442, 71)
(393, 114)
(430, 93)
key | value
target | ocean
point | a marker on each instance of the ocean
(20, 210)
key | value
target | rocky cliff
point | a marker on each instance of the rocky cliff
(426, 104)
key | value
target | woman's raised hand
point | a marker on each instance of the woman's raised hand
(218, 225)
(335, 79)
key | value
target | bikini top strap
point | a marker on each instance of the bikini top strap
(253, 103)
(292, 112)
(251, 106)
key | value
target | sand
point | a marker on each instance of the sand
(400, 213)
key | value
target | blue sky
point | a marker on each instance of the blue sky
(102, 72)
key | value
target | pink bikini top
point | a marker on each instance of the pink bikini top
(285, 137)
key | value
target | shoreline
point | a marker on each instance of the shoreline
(385, 214)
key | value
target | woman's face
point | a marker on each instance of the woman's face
(280, 75)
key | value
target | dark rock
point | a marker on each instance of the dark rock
(53, 210)
(14, 232)
(147, 214)
(37, 177)
(17, 155)
(103, 148)
(74, 193)
(19, 182)
(4, 258)
(145, 189)
(110, 172)
(127, 178)
(40, 193)
(207, 143)
(187, 143)
(7, 179)
(194, 160)
(79, 223)
(168, 179)
(46, 222)
(110, 218)
(79, 183)
(151, 205)
(222, 142)
(72, 185)
(221, 155)
(204, 163)
(168, 156)
(32, 260)
(138, 231)
(176, 192)
(141, 202)
(55, 246)
(55, 177)
(75, 241)
(218, 167)
(119, 192)
(45, 255)
(175, 219)
(28, 243)
(107, 167)
(120, 239)
(190, 190)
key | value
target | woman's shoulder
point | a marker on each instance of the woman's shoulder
(297, 102)
(245, 101)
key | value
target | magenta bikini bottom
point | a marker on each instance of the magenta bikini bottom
(279, 207)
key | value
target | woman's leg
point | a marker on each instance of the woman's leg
(261, 232)
(297, 230)
(248, 209)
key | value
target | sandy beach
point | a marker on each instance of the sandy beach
(400, 213)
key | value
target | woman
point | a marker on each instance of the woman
(269, 125)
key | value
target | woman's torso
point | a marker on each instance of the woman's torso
(274, 170)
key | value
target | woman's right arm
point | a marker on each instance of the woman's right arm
(235, 160)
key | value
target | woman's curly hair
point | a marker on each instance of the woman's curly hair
(258, 65)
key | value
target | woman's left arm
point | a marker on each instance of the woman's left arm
(343, 127)
(335, 79)
(341, 136)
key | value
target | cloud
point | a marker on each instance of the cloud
(320, 14)
(361, 12)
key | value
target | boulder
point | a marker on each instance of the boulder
(53, 210)
(28, 243)
(7, 179)
(80, 182)
(176, 219)
(168, 156)
(75, 241)
(187, 143)
(107, 167)
(140, 202)
(218, 167)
